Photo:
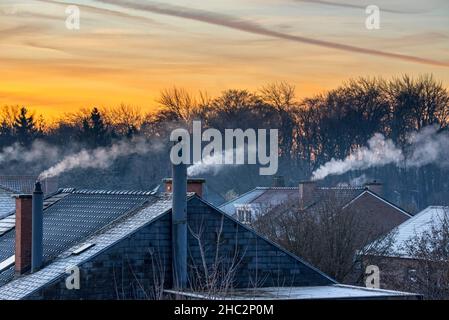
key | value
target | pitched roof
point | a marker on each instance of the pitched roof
(277, 195)
(98, 241)
(70, 216)
(102, 239)
(413, 227)
(261, 196)
(339, 195)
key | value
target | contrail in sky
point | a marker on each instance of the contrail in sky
(255, 28)
(355, 6)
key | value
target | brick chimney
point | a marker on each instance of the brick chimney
(24, 227)
(375, 187)
(193, 185)
(306, 193)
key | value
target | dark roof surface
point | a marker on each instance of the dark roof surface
(339, 196)
(6, 203)
(71, 215)
(277, 195)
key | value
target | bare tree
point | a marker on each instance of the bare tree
(326, 235)
(430, 252)
(215, 270)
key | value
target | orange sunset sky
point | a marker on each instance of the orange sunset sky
(127, 51)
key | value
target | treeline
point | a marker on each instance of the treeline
(311, 130)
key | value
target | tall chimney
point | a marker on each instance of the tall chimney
(37, 233)
(306, 193)
(375, 187)
(23, 233)
(179, 225)
(195, 185)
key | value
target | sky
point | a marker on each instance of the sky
(128, 51)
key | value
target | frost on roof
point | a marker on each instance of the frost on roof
(415, 226)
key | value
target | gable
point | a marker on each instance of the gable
(262, 261)
(377, 211)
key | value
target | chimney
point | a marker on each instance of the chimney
(23, 233)
(306, 193)
(37, 228)
(375, 187)
(193, 185)
(278, 182)
(179, 225)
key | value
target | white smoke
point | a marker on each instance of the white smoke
(359, 181)
(100, 158)
(380, 152)
(36, 152)
(427, 146)
(214, 163)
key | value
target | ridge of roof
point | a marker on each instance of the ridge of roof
(380, 198)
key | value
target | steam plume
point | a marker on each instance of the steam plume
(379, 152)
(100, 158)
(214, 163)
(428, 146)
(39, 150)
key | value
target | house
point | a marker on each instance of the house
(367, 200)
(99, 244)
(414, 254)
(10, 185)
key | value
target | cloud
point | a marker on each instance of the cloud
(255, 28)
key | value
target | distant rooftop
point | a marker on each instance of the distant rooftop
(278, 195)
(415, 227)
(25, 184)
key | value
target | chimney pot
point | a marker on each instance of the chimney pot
(193, 185)
(37, 227)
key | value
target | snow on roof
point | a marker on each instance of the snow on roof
(415, 226)
(336, 291)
